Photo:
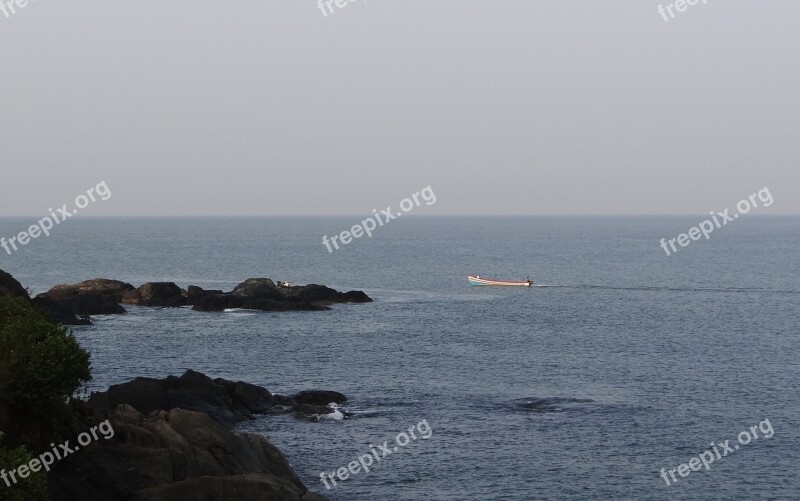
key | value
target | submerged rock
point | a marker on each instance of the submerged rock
(222, 302)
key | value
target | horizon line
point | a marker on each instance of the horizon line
(245, 216)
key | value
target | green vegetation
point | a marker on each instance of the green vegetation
(41, 367)
(33, 488)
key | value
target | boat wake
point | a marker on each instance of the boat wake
(670, 289)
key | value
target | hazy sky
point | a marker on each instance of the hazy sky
(192, 107)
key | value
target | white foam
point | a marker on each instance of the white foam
(336, 415)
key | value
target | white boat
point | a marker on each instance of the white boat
(477, 280)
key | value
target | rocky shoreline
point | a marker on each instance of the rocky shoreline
(73, 304)
(173, 437)
(173, 440)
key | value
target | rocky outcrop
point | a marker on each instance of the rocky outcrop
(263, 294)
(319, 397)
(96, 287)
(67, 302)
(176, 455)
(195, 294)
(9, 285)
(91, 297)
(225, 401)
(172, 441)
(60, 312)
(53, 310)
(85, 304)
(257, 288)
(157, 294)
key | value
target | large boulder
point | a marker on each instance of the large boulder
(319, 397)
(226, 401)
(96, 287)
(195, 293)
(91, 297)
(254, 398)
(87, 304)
(60, 312)
(157, 294)
(321, 294)
(257, 288)
(176, 455)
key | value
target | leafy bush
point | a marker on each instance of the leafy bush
(33, 488)
(41, 366)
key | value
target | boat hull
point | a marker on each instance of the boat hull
(497, 283)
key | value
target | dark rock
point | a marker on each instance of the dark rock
(256, 399)
(70, 304)
(226, 401)
(91, 304)
(319, 397)
(320, 294)
(171, 442)
(60, 313)
(310, 410)
(262, 294)
(356, 297)
(257, 288)
(9, 285)
(174, 456)
(91, 297)
(165, 294)
(54, 311)
(195, 294)
(145, 394)
(96, 287)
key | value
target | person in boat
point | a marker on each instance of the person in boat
(528, 279)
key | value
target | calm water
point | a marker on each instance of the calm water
(643, 360)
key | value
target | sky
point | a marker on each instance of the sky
(270, 107)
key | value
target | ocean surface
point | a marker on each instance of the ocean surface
(621, 362)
